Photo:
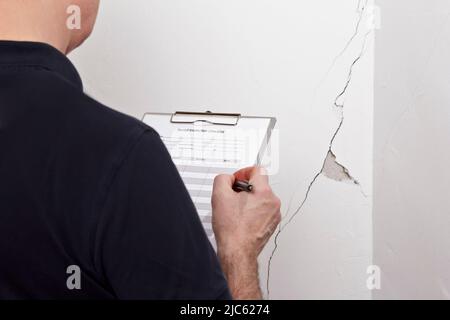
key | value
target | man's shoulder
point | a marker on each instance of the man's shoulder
(80, 117)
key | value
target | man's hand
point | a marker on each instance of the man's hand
(243, 223)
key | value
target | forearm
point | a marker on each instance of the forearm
(241, 271)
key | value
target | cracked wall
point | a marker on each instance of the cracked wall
(308, 63)
(336, 171)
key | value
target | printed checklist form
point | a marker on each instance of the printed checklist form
(204, 145)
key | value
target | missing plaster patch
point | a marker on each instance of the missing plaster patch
(330, 168)
(335, 171)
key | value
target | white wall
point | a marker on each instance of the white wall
(262, 57)
(412, 179)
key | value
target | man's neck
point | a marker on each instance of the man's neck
(37, 23)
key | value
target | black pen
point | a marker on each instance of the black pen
(240, 185)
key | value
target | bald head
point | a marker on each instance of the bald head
(64, 24)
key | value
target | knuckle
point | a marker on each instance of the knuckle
(265, 190)
(219, 178)
(277, 203)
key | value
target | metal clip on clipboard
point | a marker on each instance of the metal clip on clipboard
(228, 119)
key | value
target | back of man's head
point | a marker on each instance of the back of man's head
(65, 24)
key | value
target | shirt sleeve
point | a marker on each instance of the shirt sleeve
(151, 244)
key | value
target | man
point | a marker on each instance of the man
(91, 205)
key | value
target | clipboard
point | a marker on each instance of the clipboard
(205, 144)
(216, 119)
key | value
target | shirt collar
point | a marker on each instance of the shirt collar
(23, 53)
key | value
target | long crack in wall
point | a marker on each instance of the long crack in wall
(330, 167)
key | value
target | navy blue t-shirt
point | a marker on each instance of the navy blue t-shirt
(91, 204)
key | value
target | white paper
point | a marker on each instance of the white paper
(202, 150)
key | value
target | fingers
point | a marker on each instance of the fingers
(255, 175)
(244, 174)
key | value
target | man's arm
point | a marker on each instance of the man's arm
(241, 271)
(150, 241)
(243, 223)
